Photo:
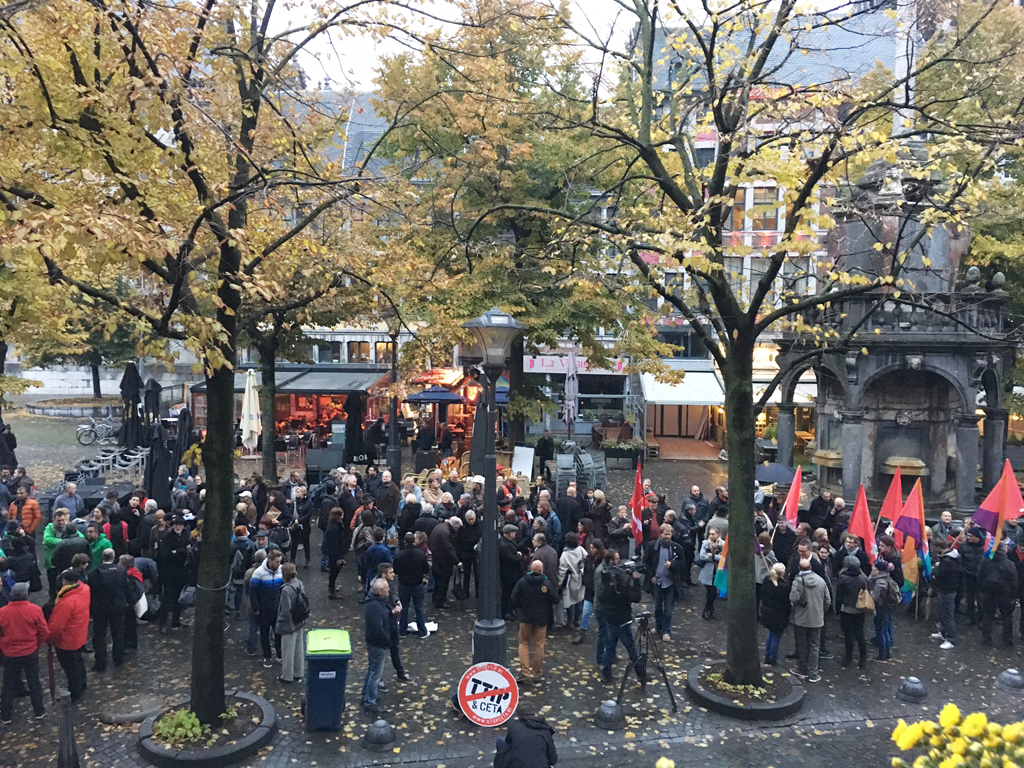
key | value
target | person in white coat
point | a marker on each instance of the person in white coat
(570, 580)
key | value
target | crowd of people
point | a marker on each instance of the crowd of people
(567, 563)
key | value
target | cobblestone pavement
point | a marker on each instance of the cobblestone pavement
(846, 719)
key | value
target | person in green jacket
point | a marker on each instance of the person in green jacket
(97, 543)
(53, 535)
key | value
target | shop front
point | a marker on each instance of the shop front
(312, 401)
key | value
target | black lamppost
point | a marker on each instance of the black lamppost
(394, 449)
(494, 332)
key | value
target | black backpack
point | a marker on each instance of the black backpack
(300, 608)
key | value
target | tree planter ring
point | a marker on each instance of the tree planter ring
(198, 757)
(724, 705)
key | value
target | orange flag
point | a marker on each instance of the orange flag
(893, 504)
(860, 524)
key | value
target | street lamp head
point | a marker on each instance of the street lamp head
(494, 332)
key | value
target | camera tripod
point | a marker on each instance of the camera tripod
(645, 645)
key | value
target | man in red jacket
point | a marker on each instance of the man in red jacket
(23, 632)
(69, 629)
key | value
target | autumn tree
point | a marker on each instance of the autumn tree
(98, 336)
(692, 105)
(173, 144)
(476, 130)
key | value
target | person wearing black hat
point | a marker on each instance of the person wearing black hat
(171, 557)
(851, 618)
(972, 551)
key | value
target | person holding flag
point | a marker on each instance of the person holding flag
(911, 528)
(712, 552)
(637, 505)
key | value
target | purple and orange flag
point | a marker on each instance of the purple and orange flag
(1003, 503)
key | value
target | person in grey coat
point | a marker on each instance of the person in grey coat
(810, 599)
(286, 626)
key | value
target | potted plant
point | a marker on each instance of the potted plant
(632, 449)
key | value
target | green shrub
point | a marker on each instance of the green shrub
(180, 728)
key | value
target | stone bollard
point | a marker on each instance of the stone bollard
(1010, 680)
(912, 690)
(379, 737)
(610, 717)
(67, 751)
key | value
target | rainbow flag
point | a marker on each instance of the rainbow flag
(911, 527)
(722, 575)
(1003, 503)
(911, 571)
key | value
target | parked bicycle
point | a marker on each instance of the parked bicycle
(102, 431)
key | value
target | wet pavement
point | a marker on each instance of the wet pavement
(846, 719)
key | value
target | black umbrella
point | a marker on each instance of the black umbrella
(355, 446)
(186, 435)
(150, 404)
(130, 435)
(772, 473)
(159, 468)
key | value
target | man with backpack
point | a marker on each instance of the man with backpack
(242, 550)
(620, 588)
(886, 595)
(292, 612)
(810, 599)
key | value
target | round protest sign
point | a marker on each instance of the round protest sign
(488, 694)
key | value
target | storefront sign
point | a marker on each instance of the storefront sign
(560, 364)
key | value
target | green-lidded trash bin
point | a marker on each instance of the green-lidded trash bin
(327, 655)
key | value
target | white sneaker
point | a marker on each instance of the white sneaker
(937, 636)
(946, 645)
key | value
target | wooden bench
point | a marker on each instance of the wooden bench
(653, 447)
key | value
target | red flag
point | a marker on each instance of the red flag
(792, 506)
(893, 504)
(860, 525)
(637, 503)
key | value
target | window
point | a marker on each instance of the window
(765, 211)
(359, 351)
(795, 272)
(704, 156)
(335, 353)
(758, 267)
(734, 274)
(739, 206)
(382, 349)
(690, 345)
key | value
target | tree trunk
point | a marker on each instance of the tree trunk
(3, 368)
(268, 393)
(218, 460)
(97, 392)
(742, 661)
(517, 422)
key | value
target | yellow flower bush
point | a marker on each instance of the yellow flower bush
(949, 716)
(974, 725)
(960, 742)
